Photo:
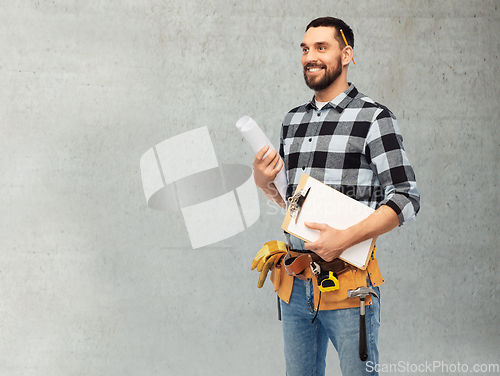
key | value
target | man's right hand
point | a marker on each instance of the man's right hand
(265, 171)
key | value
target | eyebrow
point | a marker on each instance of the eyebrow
(316, 44)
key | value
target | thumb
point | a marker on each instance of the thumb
(315, 226)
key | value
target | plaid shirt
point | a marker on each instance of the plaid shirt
(354, 145)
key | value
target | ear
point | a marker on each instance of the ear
(347, 55)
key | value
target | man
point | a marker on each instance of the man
(353, 144)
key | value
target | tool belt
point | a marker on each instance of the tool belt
(295, 264)
(300, 265)
(326, 272)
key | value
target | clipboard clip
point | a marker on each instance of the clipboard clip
(296, 202)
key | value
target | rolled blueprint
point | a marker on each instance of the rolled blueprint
(257, 140)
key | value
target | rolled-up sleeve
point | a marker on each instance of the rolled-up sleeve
(388, 159)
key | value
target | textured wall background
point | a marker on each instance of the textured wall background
(93, 282)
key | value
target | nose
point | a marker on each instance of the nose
(310, 56)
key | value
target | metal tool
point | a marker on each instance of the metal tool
(296, 202)
(362, 293)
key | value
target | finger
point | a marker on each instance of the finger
(261, 251)
(268, 264)
(265, 270)
(258, 256)
(275, 161)
(316, 226)
(261, 264)
(262, 279)
(269, 160)
(280, 165)
(261, 152)
(312, 246)
(273, 154)
(267, 164)
(256, 261)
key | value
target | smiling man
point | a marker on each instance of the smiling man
(322, 67)
(353, 144)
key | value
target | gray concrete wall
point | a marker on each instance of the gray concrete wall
(93, 282)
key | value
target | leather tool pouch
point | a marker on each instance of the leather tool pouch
(295, 266)
(351, 278)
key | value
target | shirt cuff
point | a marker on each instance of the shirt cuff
(403, 207)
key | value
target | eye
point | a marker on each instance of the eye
(304, 50)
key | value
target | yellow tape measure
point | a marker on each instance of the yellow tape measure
(328, 281)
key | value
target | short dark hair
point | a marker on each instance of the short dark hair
(338, 25)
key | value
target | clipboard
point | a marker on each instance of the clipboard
(314, 201)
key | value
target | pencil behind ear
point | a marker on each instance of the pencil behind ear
(347, 45)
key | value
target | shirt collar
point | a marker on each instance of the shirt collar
(340, 102)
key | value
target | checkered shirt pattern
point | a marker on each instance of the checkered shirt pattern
(354, 145)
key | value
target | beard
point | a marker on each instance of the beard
(321, 83)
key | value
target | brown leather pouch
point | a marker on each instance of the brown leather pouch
(295, 263)
(350, 279)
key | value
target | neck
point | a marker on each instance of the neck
(338, 86)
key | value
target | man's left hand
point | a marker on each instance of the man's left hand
(330, 244)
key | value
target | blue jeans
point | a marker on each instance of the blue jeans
(306, 344)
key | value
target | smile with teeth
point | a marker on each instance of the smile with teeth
(314, 69)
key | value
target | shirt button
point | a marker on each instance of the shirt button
(310, 139)
(319, 114)
(303, 168)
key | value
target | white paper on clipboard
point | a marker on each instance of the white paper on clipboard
(327, 205)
